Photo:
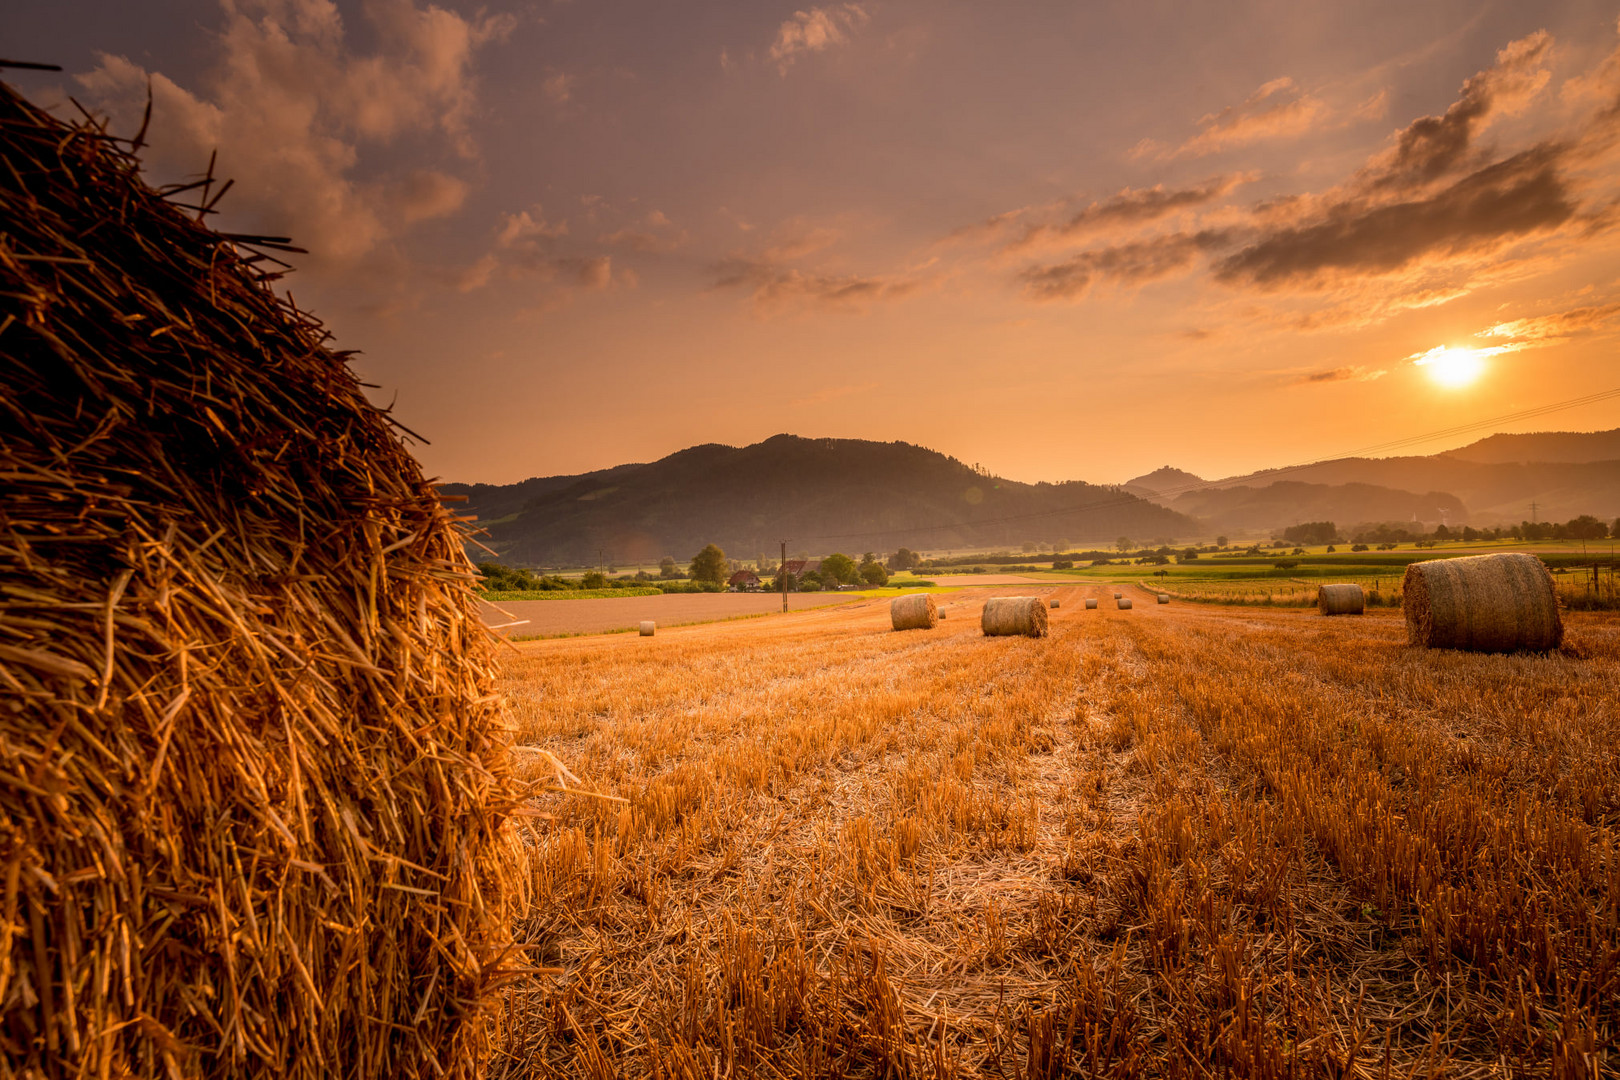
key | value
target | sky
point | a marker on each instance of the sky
(1058, 240)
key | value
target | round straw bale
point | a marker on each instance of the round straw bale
(941, 613)
(1091, 602)
(255, 788)
(648, 627)
(917, 611)
(1123, 603)
(1008, 615)
(1483, 603)
(1056, 604)
(1164, 598)
(1343, 599)
(1118, 595)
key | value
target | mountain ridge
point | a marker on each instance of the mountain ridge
(857, 495)
(821, 494)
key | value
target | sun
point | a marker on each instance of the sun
(1453, 368)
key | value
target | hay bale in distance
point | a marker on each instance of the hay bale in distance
(916, 611)
(1164, 598)
(1118, 595)
(1482, 603)
(1123, 603)
(1055, 604)
(1014, 615)
(1091, 603)
(255, 787)
(941, 613)
(1343, 599)
(649, 627)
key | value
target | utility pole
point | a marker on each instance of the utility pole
(781, 575)
(1532, 511)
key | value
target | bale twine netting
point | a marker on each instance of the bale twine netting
(1342, 599)
(649, 627)
(1123, 603)
(918, 611)
(1014, 615)
(1483, 603)
(1091, 603)
(255, 791)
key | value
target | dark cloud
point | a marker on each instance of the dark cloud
(1510, 199)
(1122, 264)
(1433, 146)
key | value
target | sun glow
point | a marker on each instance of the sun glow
(1452, 368)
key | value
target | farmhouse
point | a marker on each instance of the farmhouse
(744, 581)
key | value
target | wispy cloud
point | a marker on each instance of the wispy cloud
(1557, 326)
(1130, 207)
(813, 31)
(773, 286)
(527, 246)
(653, 234)
(1354, 373)
(1133, 263)
(1278, 109)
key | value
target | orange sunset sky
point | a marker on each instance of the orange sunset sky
(1063, 240)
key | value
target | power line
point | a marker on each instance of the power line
(1112, 503)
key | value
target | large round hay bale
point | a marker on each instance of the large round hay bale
(1123, 603)
(1483, 603)
(1341, 599)
(1091, 603)
(1164, 598)
(255, 791)
(1011, 615)
(918, 611)
(649, 627)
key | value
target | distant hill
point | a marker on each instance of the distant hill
(821, 494)
(1161, 480)
(495, 502)
(1290, 502)
(1493, 493)
(1576, 447)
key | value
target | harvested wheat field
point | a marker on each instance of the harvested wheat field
(542, 618)
(1173, 842)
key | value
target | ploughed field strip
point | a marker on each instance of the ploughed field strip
(1169, 841)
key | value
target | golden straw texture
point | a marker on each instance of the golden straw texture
(1343, 599)
(254, 782)
(1483, 603)
(1006, 615)
(917, 611)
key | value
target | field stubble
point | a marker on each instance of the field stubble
(1174, 841)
